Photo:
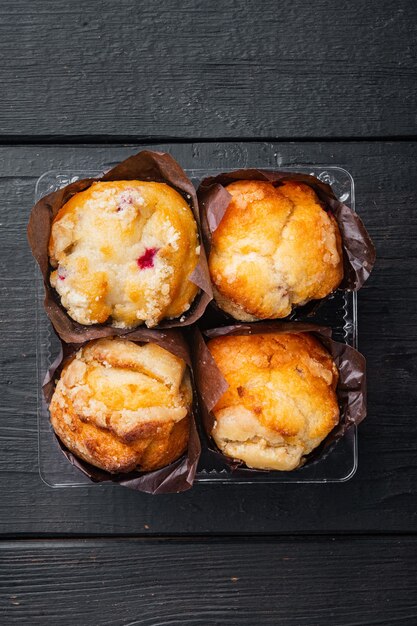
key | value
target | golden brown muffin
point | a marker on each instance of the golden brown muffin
(281, 401)
(124, 250)
(121, 406)
(276, 247)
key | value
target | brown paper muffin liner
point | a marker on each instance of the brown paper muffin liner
(173, 478)
(358, 250)
(146, 165)
(211, 385)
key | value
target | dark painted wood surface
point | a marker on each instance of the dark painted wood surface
(382, 497)
(294, 582)
(208, 69)
(81, 73)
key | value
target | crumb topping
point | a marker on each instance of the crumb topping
(124, 250)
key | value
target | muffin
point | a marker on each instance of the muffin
(281, 401)
(275, 248)
(121, 406)
(124, 252)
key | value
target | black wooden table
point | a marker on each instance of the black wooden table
(224, 84)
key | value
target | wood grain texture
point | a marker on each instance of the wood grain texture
(342, 582)
(380, 498)
(202, 69)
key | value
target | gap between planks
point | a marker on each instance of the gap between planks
(215, 538)
(26, 140)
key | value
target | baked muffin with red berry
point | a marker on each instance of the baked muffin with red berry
(124, 252)
(275, 248)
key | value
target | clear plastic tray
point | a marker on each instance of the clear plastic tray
(339, 312)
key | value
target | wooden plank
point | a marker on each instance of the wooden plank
(288, 582)
(382, 495)
(196, 69)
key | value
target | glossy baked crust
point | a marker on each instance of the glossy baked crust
(281, 402)
(124, 251)
(275, 248)
(121, 406)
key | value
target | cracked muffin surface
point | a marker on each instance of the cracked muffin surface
(281, 401)
(121, 406)
(124, 251)
(275, 248)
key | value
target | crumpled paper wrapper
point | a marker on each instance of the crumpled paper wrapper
(146, 165)
(211, 385)
(358, 250)
(173, 478)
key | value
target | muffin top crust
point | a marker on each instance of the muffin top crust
(281, 401)
(122, 406)
(275, 248)
(124, 252)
